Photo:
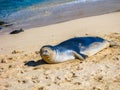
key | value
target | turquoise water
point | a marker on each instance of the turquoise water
(7, 7)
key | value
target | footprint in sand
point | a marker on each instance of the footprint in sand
(22, 81)
(35, 80)
(38, 88)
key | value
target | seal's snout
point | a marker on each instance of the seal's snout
(45, 53)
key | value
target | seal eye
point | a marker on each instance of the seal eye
(45, 51)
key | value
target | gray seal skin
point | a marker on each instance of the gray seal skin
(74, 48)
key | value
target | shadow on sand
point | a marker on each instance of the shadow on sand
(33, 63)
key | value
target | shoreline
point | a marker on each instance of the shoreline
(58, 14)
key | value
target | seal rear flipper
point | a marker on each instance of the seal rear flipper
(112, 43)
(78, 56)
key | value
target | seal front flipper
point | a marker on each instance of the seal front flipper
(78, 56)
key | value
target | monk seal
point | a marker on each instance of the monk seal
(74, 48)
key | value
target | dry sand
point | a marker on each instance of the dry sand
(21, 67)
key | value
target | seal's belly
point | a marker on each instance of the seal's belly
(65, 56)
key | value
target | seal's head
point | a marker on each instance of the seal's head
(47, 53)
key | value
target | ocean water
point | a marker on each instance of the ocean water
(8, 7)
(32, 13)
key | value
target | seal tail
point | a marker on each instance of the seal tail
(112, 43)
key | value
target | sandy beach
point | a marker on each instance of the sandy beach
(21, 67)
